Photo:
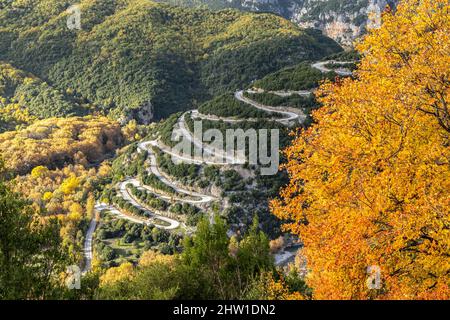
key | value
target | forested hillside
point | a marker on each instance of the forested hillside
(135, 151)
(25, 98)
(342, 20)
(146, 60)
(56, 142)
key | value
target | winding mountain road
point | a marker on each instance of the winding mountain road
(197, 115)
(153, 168)
(220, 157)
(289, 93)
(321, 66)
(194, 197)
(87, 250)
(113, 210)
(289, 117)
(173, 224)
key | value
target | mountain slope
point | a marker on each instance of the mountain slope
(342, 20)
(146, 60)
(24, 98)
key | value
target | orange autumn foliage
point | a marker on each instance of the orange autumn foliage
(277, 289)
(370, 180)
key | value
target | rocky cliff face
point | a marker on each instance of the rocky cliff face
(342, 20)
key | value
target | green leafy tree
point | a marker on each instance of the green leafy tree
(212, 266)
(31, 255)
(216, 267)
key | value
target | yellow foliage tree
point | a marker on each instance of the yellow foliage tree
(75, 212)
(276, 289)
(59, 140)
(276, 244)
(70, 184)
(104, 170)
(130, 130)
(38, 171)
(90, 206)
(47, 196)
(369, 182)
(123, 272)
(150, 257)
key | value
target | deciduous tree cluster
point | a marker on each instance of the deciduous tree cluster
(369, 182)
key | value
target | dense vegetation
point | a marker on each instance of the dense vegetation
(295, 101)
(183, 172)
(299, 77)
(25, 98)
(227, 105)
(32, 256)
(149, 200)
(165, 130)
(324, 14)
(348, 55)
(151, 180)
(129, 208)
(365, 186)
(142, 58)
(60, 90)
(68, 194)
(56, 142)
(55, 164)
(212, 266)
(231, 69)
(245, 125)
(192, 213)
(119, 241)
(129, 163)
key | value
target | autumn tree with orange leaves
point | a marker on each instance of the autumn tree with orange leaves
(370, 180)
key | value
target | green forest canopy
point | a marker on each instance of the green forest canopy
(135, 52)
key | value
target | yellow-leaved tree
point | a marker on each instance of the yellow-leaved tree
(370, 180)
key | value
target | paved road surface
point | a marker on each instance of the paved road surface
(289, 116)
(88, 246)
(340, 71)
